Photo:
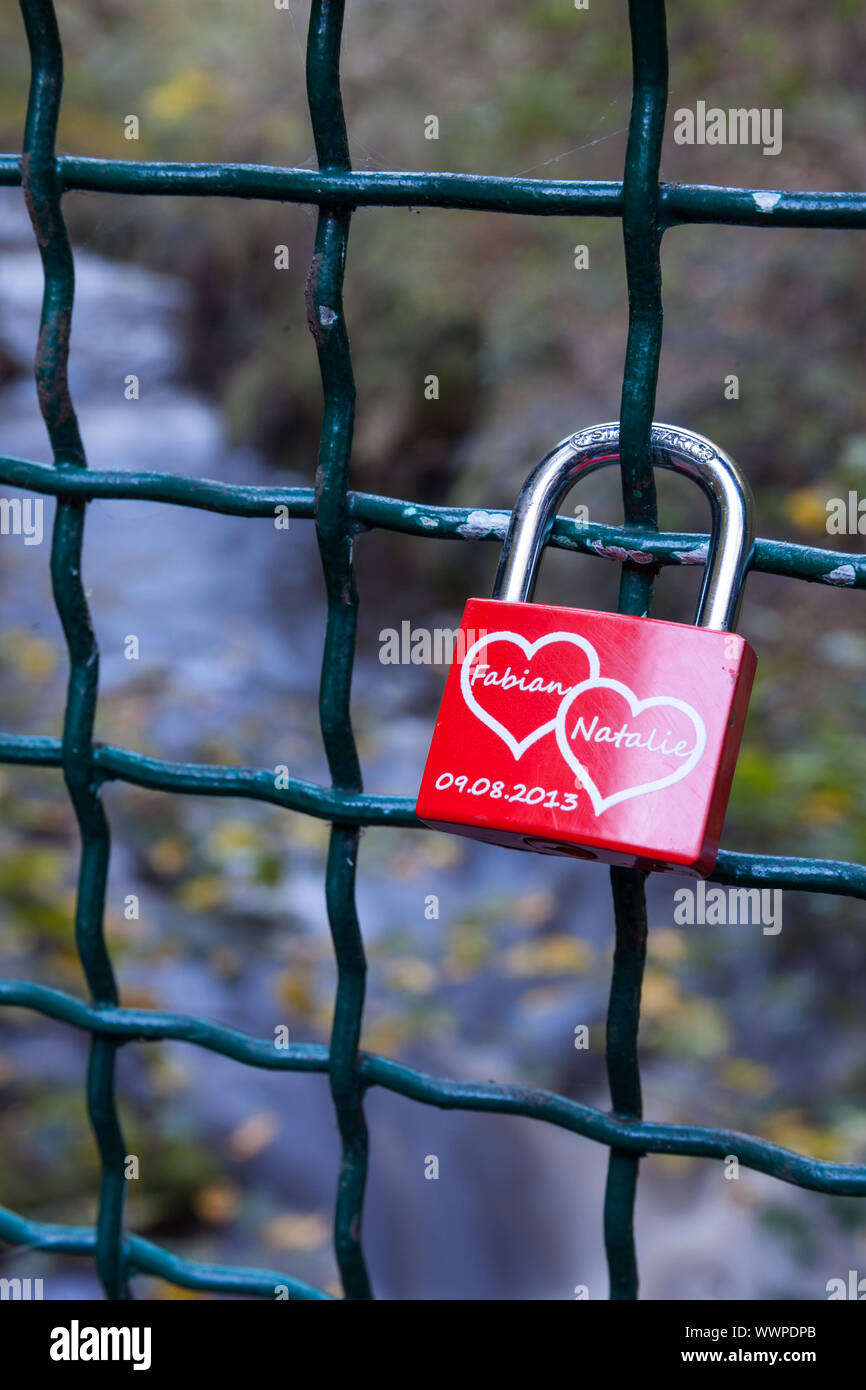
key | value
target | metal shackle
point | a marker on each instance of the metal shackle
(680, 450)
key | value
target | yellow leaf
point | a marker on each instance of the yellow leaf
(175, 1293)
(543, 999)
(826, 807)
(469, 949)
(203, 893)
(412, 974)
(675, 1166)
(168, 856)
(533, 909)
(184, 94)
(309, 832)
(403, 865)
(297, 988)
(217, 1203)
(140, 997)
(559, 954)
(386, 1034)
(231, 836)
(441, 851)
(32, 657)
(807, 508)
(752, 1078)
(698, 1028)
(168, 1075)
(791, 1130)
(660, 995)
(295, 1230)
(255, 1133)
(667, 944)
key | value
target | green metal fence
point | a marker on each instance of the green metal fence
(647, 209)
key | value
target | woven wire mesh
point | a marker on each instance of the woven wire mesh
(647, 208)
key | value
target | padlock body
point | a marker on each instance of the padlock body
(595, 735)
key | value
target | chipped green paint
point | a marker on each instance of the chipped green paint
(647, 209)
(369, 512)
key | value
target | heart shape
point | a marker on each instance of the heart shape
(519, 746)
(603, 803)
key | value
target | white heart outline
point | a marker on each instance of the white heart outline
(603, 803)
(515, 746)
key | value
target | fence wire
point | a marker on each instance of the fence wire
(647, 209)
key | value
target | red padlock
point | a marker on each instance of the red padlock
(598, 735)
